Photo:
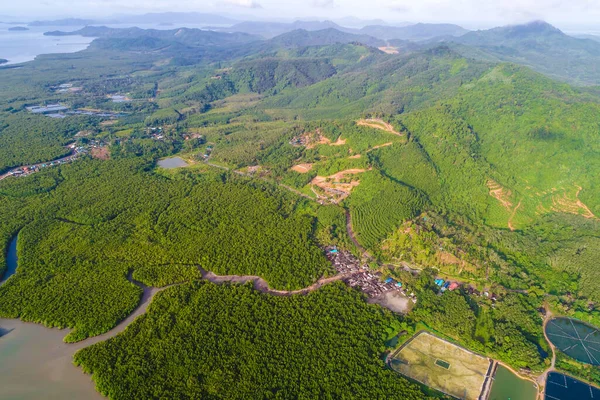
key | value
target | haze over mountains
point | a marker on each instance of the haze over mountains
(538, 44)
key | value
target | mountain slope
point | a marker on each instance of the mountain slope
(542, 47)
(304, 38)
(269, 30)
(194, 37)
(415, 33)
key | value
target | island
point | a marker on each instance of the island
(18, 29)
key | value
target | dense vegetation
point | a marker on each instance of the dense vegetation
(224, 342)
(79, 239)
(468, 170)
(511, 331)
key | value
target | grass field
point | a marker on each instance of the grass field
(442, 366)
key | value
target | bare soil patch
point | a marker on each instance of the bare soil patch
(380, 146)
(101, 153)
(335, 187)
(310, 140)
(564, 203)
(339, 142)
(512, 216)
(389, 49)
(378, 124)
(501, 194)
(302, 168)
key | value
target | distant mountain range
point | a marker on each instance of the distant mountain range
(269, 30)
(64, 22)
(177, 18)
(416, 32)
(329, 36)
(538, 45)
(195, 37)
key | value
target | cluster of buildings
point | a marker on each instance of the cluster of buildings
(156, 133)
(30, 169)
(47, 109)
(60, 111)
(117, 98)
(446, 285)
(66, 88)
(370, 282)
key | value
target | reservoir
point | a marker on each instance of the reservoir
(11, 260)
(173, 162)
(508, 386)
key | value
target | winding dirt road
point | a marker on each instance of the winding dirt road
(149, 292)
(541, 380)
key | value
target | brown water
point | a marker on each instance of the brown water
(36, 364)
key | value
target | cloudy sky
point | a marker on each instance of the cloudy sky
(476, 13)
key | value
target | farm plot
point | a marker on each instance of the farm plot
(442, 366)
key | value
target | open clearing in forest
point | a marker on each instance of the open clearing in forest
(310, 140)
(302, 168)
(389, 50)
(378, 124)
(100, 153)
(442, 365)
(567, 204)
(380, 146)
(335, 187)
(501, 194)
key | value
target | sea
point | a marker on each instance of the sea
(22, 46)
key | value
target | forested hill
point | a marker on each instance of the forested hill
(271, 29)
(192, 37)
(304, 38)
(417, 32)
(540, 46)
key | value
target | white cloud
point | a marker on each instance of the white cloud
(242, 3)
(324, 3)
(471, 13)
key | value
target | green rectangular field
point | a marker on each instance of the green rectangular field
(442, 365)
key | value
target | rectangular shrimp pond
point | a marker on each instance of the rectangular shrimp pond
(442, 365)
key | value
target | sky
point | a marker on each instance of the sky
(469, 13)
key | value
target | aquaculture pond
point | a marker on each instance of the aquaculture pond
(576, 339)
(562, 387)
(173, 162)
(11, 260)
(508, 386)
